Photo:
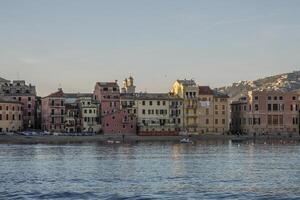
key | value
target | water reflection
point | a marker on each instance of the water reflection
(205, 170)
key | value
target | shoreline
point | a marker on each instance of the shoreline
(19, 139)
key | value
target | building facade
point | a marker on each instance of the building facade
(188, 91)
(114, 120)
(89, 114)
(26, 94)
(53, 112)
(159, 114)
(11, 115)
(266, 112)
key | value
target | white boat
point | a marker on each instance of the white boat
(185, 140)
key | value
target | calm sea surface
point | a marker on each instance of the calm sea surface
(206, 170)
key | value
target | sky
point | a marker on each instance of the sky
(74, 43)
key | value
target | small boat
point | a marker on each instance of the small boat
(185, 140)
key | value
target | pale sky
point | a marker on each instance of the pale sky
(74, 43)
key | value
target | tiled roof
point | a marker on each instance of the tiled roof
(148, 96)
(205, 90)
(58, 94)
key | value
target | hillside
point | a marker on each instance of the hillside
(283, 82)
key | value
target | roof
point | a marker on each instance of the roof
(3, 80)
(149, 96)
(8, 100)
(205, 90)
(187, 82)
(57, 94)
(108, 84)
(219, 94)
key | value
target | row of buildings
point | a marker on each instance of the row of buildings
(187, 108)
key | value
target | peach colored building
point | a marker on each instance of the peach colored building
(266, 112)
(11, 115)
(213, 109)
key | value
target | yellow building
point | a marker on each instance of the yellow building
(159, 114)
(188, 91)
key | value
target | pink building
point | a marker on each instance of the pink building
(26, 94)
(113, 119)
(266, 112)
(53, 112)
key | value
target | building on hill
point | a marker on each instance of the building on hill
(24, 93)
(266, 112)
(11, 115)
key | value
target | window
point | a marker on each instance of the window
(216, 121)
(85, 111)
(0, 116)
(0, 107)
(90, 111)
(294, 98)
(150, 103)
(158, 103)
(280, 98)
(269, 107)
(143, 103)
(13, 117)
(20, 98)
(275, 98)
(61, 102)
(269, 98)
(62, 120)
(6, 107)
(52, 120)
(61, 111)
(223, 121)
(164, 103)
(52, 112)
(207, 121)
(29, 105)
(207, 111)
(256, 107)
(275, 107)
(29, 114)
(144, 112)
(256, 98)
(6, 116)
(29, 98)
(19, 117)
